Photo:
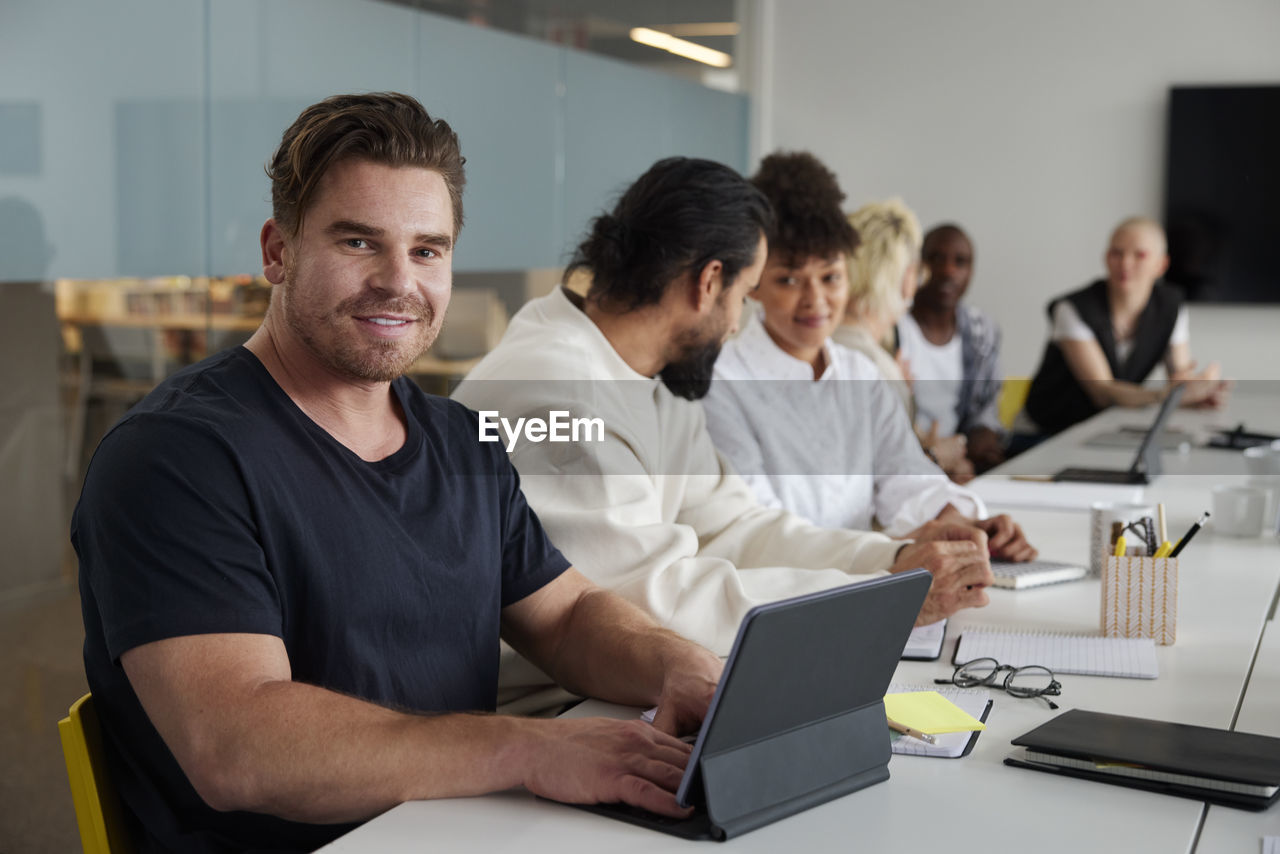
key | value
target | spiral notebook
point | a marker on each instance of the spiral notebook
(951, 745)
(1084, 655)
(925, 642)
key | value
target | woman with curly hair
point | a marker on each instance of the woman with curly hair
(810, 424)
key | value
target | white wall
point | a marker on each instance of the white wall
(1036, 125)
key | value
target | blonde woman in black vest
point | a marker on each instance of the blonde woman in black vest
(1107, 337)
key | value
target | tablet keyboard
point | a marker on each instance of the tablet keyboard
(696, 826)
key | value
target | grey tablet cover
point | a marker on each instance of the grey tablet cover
(798, 717)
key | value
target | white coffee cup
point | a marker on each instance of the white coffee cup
(1263, 459)
(1101, 515)
(1239, 511)
(1263, 464)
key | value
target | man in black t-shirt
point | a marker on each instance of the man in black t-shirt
(296, 566)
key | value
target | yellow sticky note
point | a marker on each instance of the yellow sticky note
(930, 712)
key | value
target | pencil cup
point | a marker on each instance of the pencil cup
(1101, 515)
(1140, 598)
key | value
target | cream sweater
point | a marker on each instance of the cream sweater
(652, 511)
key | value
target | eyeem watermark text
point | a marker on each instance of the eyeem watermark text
(557, 427)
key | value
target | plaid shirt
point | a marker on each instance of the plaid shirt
(980, 356)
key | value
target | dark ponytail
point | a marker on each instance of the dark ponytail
(678, 216)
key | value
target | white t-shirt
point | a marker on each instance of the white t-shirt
(1068, 326)
(938, 372)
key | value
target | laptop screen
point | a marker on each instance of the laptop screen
(1147, 460)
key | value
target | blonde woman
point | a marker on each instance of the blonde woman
(1107, 338)
(883, 274)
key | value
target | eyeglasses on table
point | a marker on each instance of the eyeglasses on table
(1029, 681)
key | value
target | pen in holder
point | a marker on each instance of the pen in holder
(1140, 598)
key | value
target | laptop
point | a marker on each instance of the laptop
(1034, 573)
(1130, 436)
(798, 717)
(1146, 464)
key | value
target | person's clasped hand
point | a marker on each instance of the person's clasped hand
(1005, 539)
(957, 556)
(1203, 390)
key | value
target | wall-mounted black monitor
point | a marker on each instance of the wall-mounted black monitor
(1222, 192)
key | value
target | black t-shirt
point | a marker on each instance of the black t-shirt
(216, 505)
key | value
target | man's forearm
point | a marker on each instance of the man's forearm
(611, 650)
(308, 754)
(1123, 393)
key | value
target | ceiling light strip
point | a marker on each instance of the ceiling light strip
(681, 47)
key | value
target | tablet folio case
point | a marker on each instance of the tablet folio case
(757, 784)
(799, 719)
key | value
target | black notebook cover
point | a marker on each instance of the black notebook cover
(1237, 757)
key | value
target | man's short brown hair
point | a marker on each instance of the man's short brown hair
(380, 127)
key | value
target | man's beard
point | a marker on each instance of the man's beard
(374, 361)
(690, 377)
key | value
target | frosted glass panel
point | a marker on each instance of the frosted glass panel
(621, 119)
(20, 139)
(613, 132)
(133, 134)
(159, 213)
(87, 67)
(499, 92)
(244, 134)
(269, 59)
(706, 123)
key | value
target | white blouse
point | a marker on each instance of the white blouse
(838, 451)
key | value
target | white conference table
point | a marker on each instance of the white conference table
(1255, 404)
(1226, 590)
(1227, 830)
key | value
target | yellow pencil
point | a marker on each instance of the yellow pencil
(1119, 546)
(913, 733)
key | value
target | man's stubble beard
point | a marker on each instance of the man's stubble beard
(373, 361)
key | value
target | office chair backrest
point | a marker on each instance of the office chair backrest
(1013, 396)
(98, 813)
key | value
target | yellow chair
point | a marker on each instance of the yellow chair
(98, 813)
(1013, 395)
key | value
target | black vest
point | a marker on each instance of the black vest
(1057, 399)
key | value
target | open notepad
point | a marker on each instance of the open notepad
(1085, 655)
(925, 642)
(951, 745)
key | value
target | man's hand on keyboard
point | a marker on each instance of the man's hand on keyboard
(600, 760)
